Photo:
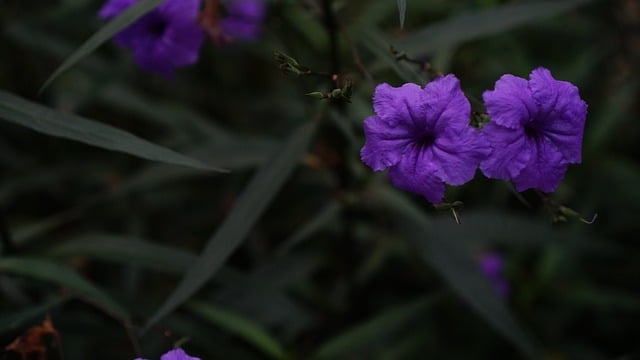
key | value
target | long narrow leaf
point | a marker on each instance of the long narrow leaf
(324, 216)
(17, 319)
(357, 341)
(255, 199)
(51, 122)
(240, 326)
(455, 263)
(402, 11)
(126, 250)
(54, 273)
(124, 19)
(466, 27)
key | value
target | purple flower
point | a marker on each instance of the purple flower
(244, 19)
(491, 264)
(175, 354)
(423, 136)
(535, 130)
(166, 38)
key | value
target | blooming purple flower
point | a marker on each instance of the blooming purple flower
(491, 264)
(166, 38)
(423, 137)
(175, 354)
(535, 130)
(244, 19)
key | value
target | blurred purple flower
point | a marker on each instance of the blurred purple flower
(175, 354)
(535, 130)
(244, 19)
(491, 264)
(164, 39)
(423, 136)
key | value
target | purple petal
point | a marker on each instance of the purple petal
(509, 153)
(185, 11)
(545, 169)
(415, 173)
(511, 104)
(444, 104)
(562, 113)
(384, 143)
(241, 29)
(177, 354)
(399, 105)
(114, 7)
(247, 9)
(491, 263)
(166, 38)
(458, 153)
(501, 285)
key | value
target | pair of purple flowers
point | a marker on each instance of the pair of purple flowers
(423, 136)
(170, 36)
(175, 354)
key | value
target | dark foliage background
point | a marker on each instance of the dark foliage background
(319, 258)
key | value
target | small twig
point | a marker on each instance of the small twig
(424, 65)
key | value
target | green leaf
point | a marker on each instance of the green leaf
(261, 190)
(609, 117)
(359, 340)
(176, 115)
(402, 11)
(481, 24)
(238, 325)
(233, 154)
(16, 320)
(126, 250)
(124, 19)
(51, 122)
(452, 258)
(54, 273)
(379, 45)
(322, 218)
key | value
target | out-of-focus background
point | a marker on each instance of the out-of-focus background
(302, 251)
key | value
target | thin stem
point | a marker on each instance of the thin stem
(332, 29)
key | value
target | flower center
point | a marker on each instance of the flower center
(425, 140)
(157, 27)
(531, 131)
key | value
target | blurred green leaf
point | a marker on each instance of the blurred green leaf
(240, 326)
(362, 339)
(176, 115)
(608, 117)
(592, 297)
(380, 46)
(451, 257)
(55, 273)
(127, 250)
(484, 228)
(254, 200)
(467, 27)
(324, 216)
(18, 319)
(233, 154)
(402, 11)
(51, 122)
(124, 19)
